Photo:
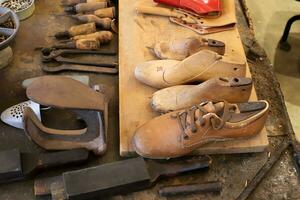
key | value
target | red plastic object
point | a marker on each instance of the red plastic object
(202, 7)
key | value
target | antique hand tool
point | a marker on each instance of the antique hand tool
(80, 68)
(82, 44)
(117, 178)
(77, 30)
(18, 166)
(189, 20)
(103, 23)
(57, 55)
(101, 36)
(166, 12)
(66, 93)
(74, 2)
(86, 7)
(106, 12)
(175, 190)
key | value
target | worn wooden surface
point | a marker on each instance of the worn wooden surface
(233, 170)
(137, 33)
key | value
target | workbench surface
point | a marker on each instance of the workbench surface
(232, 170)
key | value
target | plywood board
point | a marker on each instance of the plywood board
(138, 32)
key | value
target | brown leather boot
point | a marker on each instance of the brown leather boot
(182, 48)
(179, 133)
(233, 89)
(199, 67)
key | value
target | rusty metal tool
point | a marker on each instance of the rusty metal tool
(18, 166)
(80, 68)
(175, 190)
(117, 178)
(49, 55)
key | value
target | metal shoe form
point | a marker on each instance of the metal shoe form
(199, 67)
(66, 93)
(13, 115)
(93, 139)
(182, 48)
(231, 89)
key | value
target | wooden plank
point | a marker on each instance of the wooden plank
(137, 33)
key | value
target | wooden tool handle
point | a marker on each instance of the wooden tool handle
(155, 11)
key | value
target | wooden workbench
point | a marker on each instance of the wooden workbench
(138, 32)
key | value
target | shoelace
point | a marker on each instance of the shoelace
(217, 123)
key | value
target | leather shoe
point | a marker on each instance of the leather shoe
(178, 133)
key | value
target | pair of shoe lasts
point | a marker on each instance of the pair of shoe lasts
(199, 67)
(181, 132)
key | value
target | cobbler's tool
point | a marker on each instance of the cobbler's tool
(57, 55)
(77, 30)
(92, 139)
(118, 177)
(82, 78)
(190, 20)
(82, 44)
(201, 7)
(101, 36)
(166, 12)
(175, 190)
(103, 23)
(74, 2)
(17, 166)
(106, 12)
(51, 53)
(66, 93)
(80, 68)
(86, 7)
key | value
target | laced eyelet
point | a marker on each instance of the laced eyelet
(186, 137)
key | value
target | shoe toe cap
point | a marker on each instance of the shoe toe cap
(151, 73)
(158, 141)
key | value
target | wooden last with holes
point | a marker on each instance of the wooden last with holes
(137, 33)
